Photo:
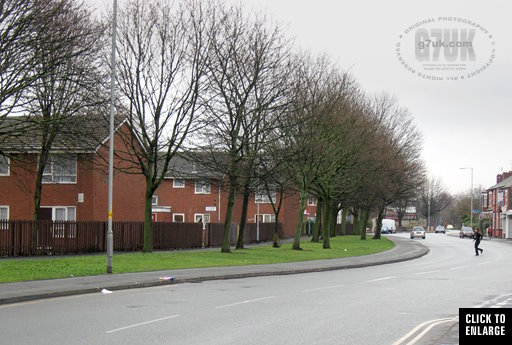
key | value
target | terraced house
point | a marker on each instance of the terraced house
(497, 205)
(75, 186)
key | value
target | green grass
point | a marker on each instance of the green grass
(23, 269)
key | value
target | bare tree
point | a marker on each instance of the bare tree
(58, 101)
(245, 87)
(24, 25)
(161, 49)
(433, 193)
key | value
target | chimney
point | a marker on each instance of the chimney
(501, 177)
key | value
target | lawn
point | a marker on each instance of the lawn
(23, 269)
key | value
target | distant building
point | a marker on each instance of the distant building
(497, 206)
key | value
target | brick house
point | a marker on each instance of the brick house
(75, 187)
(497, 205)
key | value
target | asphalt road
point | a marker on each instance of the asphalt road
(372, 305)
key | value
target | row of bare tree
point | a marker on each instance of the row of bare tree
(225, 85)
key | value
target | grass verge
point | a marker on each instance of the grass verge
(23, 269)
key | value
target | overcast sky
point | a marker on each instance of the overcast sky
(464, 123)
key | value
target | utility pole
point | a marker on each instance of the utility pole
(110, 234)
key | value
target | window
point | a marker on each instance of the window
(202, 187)
(178, 183)
(265, 218)
(4, 217)
(311, 200)
(4, 212)
(202, 218)
(178, 217)
(4, 165)
(61, 215)
(261, 198)
(60, 169)
(154, 201)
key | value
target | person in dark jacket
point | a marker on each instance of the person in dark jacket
(477, 239)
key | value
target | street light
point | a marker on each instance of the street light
(471, 211)
(110, 234)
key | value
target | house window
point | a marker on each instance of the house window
(60, 169)
(202, 218)
(154, 200)
(178, 217)
(61, 215)
(178, 183)
(311, 200)
(202, 187)
(4, 217)
(4, 165)
(265, 218)
(260, 198)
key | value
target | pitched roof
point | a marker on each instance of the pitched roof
(503, 184)
(191, 166)
(80, 133)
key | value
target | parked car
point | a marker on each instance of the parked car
(449, 227)
(466, 231)
(440, 229)
(384, 230)
(418, 231)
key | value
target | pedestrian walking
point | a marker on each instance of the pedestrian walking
(477, 239)
(490, 233)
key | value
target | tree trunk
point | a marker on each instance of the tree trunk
(148, 230)
(243, 219)
(334, 218)
(41, 164)
(318, 222)
(344, 221)
(378, 224)
(276, 231)
(364, 220)
(300, 222)
(226, 235)
(327, 212)
(355, 227)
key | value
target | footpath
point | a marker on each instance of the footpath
(33, 290)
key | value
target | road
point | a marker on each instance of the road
(373, 305)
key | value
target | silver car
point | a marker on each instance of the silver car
(418, 231)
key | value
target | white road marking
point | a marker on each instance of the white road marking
(428, 272)
(458, 267)
(323, 288)
(415, 329)
(426, 330)
(380, 279)
(142, 324)
(244, 302)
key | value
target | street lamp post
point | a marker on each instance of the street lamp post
(110, 234)
(471, 193)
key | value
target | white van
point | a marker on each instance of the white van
(390, 224)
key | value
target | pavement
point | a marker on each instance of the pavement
(404, 250)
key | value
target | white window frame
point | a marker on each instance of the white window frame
(4, 226)
(263, 198)
(265, 218)
(202, 187)
(205, 218)
(154, 200)
(174, 185)
(178, 214)
(8, 162)
(58, 231)
(311, 200)
(50, 176)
